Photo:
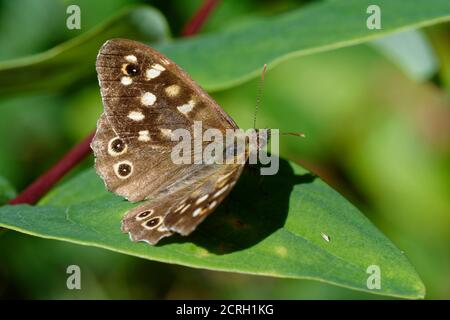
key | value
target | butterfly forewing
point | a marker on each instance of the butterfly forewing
(146, 97)
(141, 87)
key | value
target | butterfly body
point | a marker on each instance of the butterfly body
(146, 98)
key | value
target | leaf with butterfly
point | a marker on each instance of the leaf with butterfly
(271, 225)
(273, 229)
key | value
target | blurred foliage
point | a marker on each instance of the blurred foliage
(7, 192)
(373, 133)
(228, 57)
(71, 62)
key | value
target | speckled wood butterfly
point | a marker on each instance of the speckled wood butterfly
(146, 97)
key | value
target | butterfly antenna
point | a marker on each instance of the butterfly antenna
(258, 97)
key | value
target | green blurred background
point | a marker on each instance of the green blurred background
(376, 118)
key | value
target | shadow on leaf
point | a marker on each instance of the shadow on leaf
(256, 208)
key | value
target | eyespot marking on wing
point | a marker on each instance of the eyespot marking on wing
(123, 169)
(144, 214)
(152, 223)
(116, 147)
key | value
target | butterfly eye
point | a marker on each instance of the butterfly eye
(132, 69)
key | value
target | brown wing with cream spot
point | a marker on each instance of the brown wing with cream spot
(143, 90)
(132, 168)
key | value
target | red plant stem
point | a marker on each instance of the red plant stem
(199, 18)
(45, 182)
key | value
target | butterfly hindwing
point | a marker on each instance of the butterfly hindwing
(180, 211)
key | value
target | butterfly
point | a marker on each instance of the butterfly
(146, 97)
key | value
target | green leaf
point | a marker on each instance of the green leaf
(223, 60)
(227, 58)
(74, 60)
(269, 225)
